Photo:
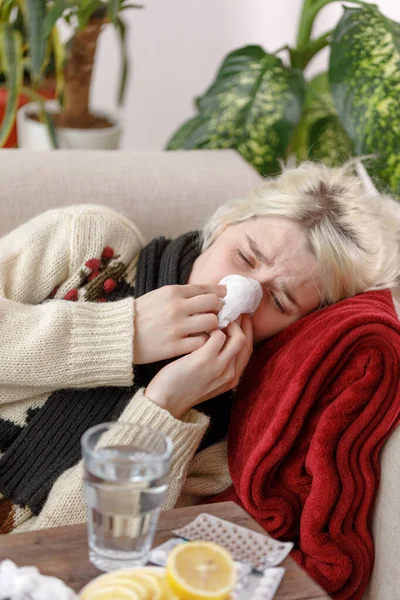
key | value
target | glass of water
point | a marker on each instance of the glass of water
(125, 485)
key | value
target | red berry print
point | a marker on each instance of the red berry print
(109, 285)
(72, 295)
(108, 252)
(93, 264)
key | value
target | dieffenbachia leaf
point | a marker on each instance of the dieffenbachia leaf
(253, 106)
(364, 74)
(320, 135)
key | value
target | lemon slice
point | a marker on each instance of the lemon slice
(201, 571)
(110, 592)
(146, 583)
(149, 581)
(167, 593)
(120, 581)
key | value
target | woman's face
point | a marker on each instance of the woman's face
(274, 251)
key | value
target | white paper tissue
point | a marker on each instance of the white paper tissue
(243, 295)
(27, 583)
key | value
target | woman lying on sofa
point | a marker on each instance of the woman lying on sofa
(90, 318)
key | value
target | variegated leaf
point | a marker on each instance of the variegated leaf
(364, 74)
(253, 106)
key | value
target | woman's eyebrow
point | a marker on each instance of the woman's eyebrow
(256, 250)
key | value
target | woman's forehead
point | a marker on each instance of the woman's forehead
(275, 233)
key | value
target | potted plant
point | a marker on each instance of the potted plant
(68, 122)
(266, 109)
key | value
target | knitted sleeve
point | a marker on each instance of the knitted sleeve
(65, 504)
(61, 344)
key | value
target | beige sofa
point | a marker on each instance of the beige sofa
(169, 193)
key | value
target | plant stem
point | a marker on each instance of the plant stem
(305, 26)
(301, 59)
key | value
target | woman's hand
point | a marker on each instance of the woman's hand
(205, 373)
(172, 320)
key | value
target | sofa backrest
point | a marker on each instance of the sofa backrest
(164, 193)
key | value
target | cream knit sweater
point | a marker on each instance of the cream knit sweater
(61, 344)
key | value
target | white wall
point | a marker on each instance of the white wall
(176, 47)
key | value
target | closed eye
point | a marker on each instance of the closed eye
(244, 258)
(278, 303)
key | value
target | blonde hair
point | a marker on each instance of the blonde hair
(353, 234)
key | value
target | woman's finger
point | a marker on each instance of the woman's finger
(213, 345)
(208, 303)
(193, 289)
(234, 368)
(245, 354)
(247, 328)
(199, 324)
(191, 344)
(234, 344)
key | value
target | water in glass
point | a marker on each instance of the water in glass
(124, 493)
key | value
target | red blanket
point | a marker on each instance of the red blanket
(312, 412)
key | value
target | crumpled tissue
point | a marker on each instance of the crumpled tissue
(27, 583)
(243, 295)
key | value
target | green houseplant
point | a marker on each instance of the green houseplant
(265, 108)
(29, 42)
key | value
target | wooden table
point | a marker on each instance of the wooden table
(63, 552)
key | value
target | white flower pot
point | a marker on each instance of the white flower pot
(33, 135)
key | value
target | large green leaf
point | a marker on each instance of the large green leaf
(36, 10)
(320, 135)
(364, 74)
(253, 106)
(12, 65)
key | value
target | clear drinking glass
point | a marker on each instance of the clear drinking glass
(125, 485)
